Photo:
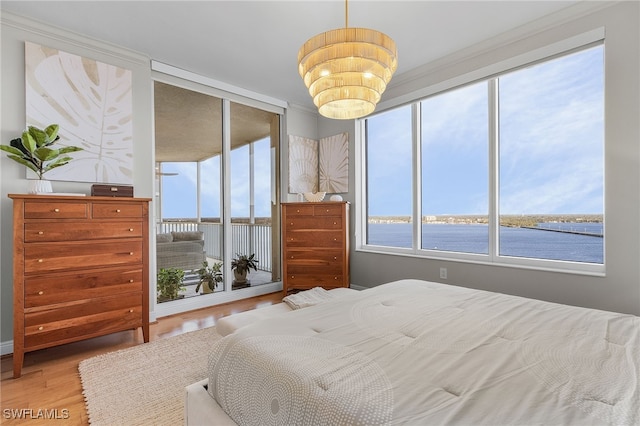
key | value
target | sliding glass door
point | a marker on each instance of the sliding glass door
(193, 232)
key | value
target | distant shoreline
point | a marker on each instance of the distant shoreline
(505, 220)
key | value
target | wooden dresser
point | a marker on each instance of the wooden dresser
(80, 269)
(315, 245)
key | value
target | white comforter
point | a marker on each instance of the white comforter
(415, 352)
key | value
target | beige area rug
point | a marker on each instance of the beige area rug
(144, 385)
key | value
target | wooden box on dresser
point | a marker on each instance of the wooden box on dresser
(80, 269)
(315, 245)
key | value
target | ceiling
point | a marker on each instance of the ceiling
(184, 118)
(254, 44)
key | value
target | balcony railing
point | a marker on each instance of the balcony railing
(246, 238)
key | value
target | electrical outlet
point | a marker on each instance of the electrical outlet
(443, 273)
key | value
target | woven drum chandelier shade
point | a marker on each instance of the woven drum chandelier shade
(346, 70)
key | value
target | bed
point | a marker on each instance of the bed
(417, 352)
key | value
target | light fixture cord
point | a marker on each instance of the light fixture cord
(346, 13)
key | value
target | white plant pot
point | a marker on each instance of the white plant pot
(37, 186)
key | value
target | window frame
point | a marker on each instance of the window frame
(565, 47)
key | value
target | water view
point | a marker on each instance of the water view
(582, 242)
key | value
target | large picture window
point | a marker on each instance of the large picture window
(454, 168)
(509, 169)
(390, 184)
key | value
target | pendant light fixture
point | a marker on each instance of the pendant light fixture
(346, 70)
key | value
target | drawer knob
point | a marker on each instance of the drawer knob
(335, 257)
(335, 239)
(291, 257)
(130, 253)
(40, 233)
(130, 229)
(56, 210)
(130, 310)
(41, 328)
(293, 276)
(298, 211)
(130, 281)
(335, 223)
(327, 210)
(291, 223)
(41, 292)
(40, 260)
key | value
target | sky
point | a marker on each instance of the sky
(550, 148)
(179, 200)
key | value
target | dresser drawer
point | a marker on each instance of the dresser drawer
(58, 288)
(328, 210)
(91, 318)
(313, 222)
(55, 210)
(312, 239)
(311, 256)
(52, 231)
(41, 257)
(115, 210)
(299, 210)
(313, 268)
(306, 281)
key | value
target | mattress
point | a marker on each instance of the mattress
(417, 352)
(229, 324)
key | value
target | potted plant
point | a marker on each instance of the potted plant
(169, 284)
(35, 151)
(241, 267)
(210, 276)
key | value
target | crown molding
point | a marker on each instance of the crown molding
(41, 29)
(523, 32)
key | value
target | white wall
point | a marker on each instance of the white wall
(15, 31)
(619, 290)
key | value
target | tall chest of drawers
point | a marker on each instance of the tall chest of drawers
(80, 269)
(315, 245)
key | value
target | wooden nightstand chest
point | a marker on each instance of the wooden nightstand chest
(315, 245)
(80, 269)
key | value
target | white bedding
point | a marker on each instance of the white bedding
(415, 352)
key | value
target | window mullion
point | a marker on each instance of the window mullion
(417, 175)
(494, 168)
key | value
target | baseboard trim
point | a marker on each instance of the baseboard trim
(358, 287)
(199, 302)
(6, 348)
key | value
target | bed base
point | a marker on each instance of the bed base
(201, 409)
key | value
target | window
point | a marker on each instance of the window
(551, 159)
(455, 154)
(389, 185)
(509, 169)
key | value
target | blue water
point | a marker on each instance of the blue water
(517, 242)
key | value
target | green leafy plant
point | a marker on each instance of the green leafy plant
(210, 276)
(244, 263)
(169, 283)
(35, 151)
(241, 266)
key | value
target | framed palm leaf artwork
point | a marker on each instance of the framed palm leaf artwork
(303, 165)
(333, 166)
(92, 103)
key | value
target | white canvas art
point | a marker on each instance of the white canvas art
(92, 103)
(303, 165)
(333, 165)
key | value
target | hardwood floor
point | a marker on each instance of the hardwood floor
(50, 384)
